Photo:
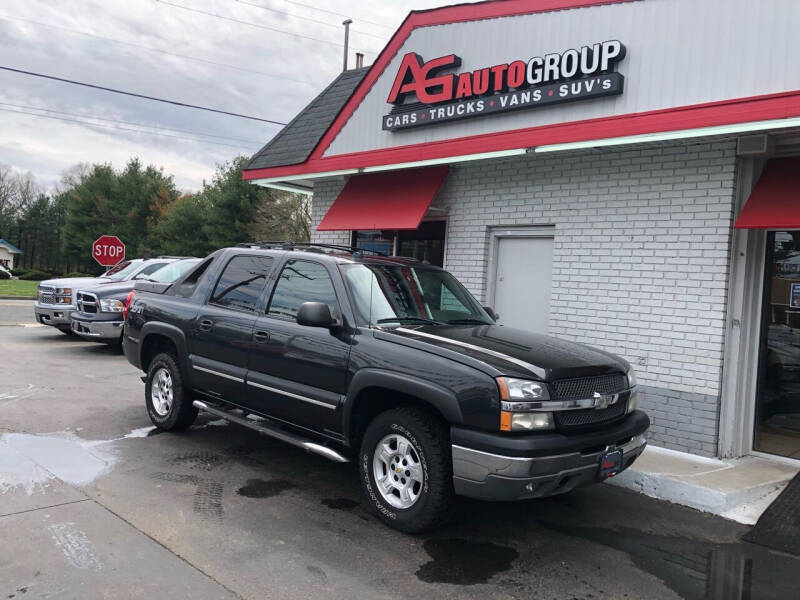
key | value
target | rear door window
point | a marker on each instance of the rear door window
(242, 282)
(150, 269)
(301, 281)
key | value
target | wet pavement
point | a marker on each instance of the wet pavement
(96, 503)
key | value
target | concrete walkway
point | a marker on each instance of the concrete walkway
(739, 489)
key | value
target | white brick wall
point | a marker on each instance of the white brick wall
(640, 259)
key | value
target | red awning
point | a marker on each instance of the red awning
(775, 201)
(396, 200)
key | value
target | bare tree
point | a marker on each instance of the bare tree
(73, 176)
(8, 189)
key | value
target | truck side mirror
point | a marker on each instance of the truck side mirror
(491, 313)
(315, 314)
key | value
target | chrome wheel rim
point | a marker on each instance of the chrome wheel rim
(161, 392)
(397, 470)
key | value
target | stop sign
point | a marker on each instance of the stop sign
(108, 250)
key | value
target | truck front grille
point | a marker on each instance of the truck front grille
(587, 417)
(87, 302)
(580, 388)
(46, 294)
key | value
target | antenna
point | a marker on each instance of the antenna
(346, 24)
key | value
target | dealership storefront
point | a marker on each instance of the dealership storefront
(620, 173)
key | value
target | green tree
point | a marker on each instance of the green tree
(126, 204)
(182, 228)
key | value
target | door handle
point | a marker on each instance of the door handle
(206, 324)
(261, 336)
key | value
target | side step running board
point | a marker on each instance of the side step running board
(279, 434)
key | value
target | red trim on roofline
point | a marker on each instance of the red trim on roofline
(724, 112)
(441, 16)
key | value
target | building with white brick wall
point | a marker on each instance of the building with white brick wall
(614, 217)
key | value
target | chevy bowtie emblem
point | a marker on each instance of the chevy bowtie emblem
(602, 401)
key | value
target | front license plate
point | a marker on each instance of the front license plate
(610, 464)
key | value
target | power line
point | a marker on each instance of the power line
(338, 14)
(108, 126)
(160, 51)
(294, 16)
(135, 95)
(248, 23)
(85, 116)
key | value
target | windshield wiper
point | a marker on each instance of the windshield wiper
(467, 321)
(408, 320)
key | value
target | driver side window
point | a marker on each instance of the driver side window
(301, 281)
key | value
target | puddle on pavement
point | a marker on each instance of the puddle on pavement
(696, 568)
(259, 488)
(340, 503)
(66, 456)
(464, 562)
(32, 461)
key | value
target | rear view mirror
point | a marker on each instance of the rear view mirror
(491, 313)
(315, 314)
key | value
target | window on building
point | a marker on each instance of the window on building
(425, 243)
(301, 281)
(777, 416)
(378, 241)
(242, 282)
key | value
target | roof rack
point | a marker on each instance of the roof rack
(308, 246)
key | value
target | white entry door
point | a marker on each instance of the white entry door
(522, 282)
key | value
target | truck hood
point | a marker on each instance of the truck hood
(74, 282)
(510, 351)
(110, 289)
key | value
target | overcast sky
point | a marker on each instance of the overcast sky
(266, 67)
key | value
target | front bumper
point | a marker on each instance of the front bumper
(101, 331)
(543, 471)
(54, 315)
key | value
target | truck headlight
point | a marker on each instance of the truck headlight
(528, 421)
(633, 398)
(520, 403)
(111, 305)
(631, 375)
(521, 389)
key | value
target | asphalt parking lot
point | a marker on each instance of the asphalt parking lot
(95, 503)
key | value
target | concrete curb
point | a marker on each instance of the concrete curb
(738, 489)
(17, 297)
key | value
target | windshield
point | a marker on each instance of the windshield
(122, 270)
(394, 295)
(172, 271)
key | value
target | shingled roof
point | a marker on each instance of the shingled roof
(294, 143)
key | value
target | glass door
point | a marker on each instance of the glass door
(777, 415)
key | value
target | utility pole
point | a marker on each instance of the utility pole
(346, 40)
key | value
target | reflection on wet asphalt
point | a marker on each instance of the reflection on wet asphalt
(258, 488)
(697, 569)
(340, 503)
(464, 562)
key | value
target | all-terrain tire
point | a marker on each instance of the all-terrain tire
(429, 437)
(179, 413)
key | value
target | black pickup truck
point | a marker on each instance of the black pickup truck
(389, 362)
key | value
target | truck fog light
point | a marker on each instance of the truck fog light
(633, 401)
(528, 421)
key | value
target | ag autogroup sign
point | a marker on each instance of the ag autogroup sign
(574, 74)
